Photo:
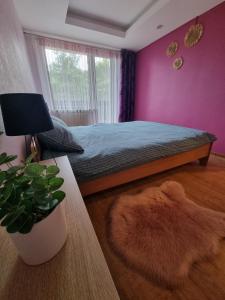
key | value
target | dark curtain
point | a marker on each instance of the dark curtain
(127, 85)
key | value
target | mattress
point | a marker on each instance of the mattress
(109, 148)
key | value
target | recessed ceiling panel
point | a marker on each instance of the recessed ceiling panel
(121, 13)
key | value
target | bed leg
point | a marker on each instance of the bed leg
(204, 161)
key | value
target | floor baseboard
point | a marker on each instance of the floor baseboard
(218, 154)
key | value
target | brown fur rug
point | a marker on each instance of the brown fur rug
(160, 232)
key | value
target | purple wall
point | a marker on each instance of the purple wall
(193, 96)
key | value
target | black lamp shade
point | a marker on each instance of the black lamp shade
(25, 114)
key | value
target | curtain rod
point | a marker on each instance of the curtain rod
(40, 34)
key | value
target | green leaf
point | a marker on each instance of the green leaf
(22, 180)
(12, 228)
(55, 183)
(52, 170)
(59, 195)
(10, 178)
(28, 193)
(39, 184)
(28, 205)
(12, 200)
(2, 176)
(27, 225)
(49, 206)
(5, 205)
(3, 157)
(12, 217)
(14, 169)
(45, 206)
(40, 195)
(8, 219)
(34, 170)
(53, 203)
(20, 223)
(30, 158)
(45, 203)
(7, 192)
(10, 158)
(3, 212)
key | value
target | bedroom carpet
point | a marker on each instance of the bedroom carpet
(206, 281)
(143, 225)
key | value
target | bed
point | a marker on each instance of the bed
(118, 153)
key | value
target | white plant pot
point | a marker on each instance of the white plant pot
(45, 239)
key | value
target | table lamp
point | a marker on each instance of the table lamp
(25, 114)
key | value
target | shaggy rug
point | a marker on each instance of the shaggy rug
(160, 232)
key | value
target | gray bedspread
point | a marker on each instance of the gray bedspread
(109, 148)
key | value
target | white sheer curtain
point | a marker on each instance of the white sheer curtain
(79, 82)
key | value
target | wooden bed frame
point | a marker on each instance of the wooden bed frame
(100, 184)
(118, 178)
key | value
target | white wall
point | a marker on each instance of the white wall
(15, 73)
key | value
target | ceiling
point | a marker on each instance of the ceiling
(129, 24)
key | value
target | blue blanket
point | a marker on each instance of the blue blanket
(109, 148)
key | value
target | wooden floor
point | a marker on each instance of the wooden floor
(205, 186)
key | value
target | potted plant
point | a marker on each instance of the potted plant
(31, 208)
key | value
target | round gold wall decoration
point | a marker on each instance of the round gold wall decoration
(178, 63)
(193, 35)
(172, 49)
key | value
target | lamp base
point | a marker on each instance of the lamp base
(35, 149)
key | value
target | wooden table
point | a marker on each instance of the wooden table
(79, 271)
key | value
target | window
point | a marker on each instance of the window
(84, 82)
